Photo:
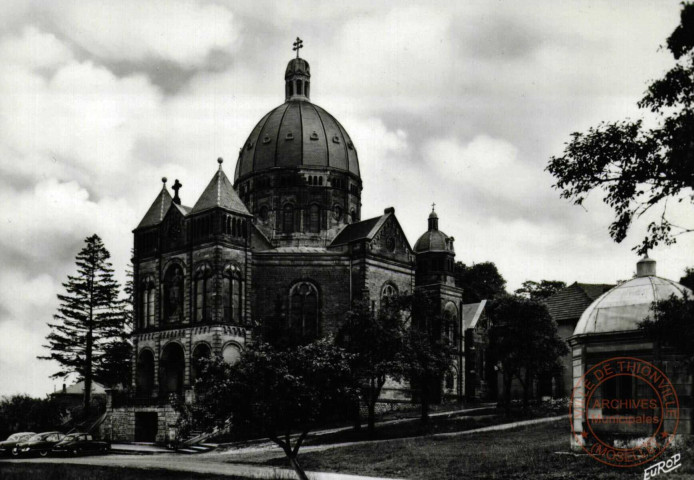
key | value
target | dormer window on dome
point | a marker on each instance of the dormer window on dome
(297, 77)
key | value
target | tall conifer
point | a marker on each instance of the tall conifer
(88, 317)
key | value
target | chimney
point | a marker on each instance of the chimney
(645, 267)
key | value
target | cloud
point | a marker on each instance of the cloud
(182, 32)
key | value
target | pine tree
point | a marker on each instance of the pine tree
(116, 366)
(88, 317)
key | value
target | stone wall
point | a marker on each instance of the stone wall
(119, 425)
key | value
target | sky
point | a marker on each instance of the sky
(457, 103)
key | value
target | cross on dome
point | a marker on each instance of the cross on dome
(299, 44)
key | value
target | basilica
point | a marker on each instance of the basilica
(282, 246)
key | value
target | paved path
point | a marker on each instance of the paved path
(265, 446)
(189, 464)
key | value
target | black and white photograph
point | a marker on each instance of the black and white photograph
(365, 240)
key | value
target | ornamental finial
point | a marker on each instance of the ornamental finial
(298, 45)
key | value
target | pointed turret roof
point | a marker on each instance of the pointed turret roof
(156, 212)
(220, 193)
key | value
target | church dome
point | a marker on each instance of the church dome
(434, 240)
(297, 134)
(623, 307)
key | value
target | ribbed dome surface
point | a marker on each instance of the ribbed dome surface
(297, 134)
(433, 241)
(623, 307)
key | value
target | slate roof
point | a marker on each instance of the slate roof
(78, 388)
(156, 212)
(364, 230)
(472, 313)
(220, 193)
(570, 302)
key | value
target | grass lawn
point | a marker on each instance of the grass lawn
(514, 454)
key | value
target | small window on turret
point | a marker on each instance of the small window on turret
(299, 86)
(307, 87)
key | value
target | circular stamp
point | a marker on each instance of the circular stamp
(624, 412)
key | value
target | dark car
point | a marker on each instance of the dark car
(79, 443)
(40, 444)
(8, 447)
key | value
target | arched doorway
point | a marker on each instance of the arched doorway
(172, 369)
(202, 351)
(145, 373)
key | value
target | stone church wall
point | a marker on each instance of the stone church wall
(274, 275)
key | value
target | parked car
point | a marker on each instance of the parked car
(79, 443)
(39, 444)
(8, 446)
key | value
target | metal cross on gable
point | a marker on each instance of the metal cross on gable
(299, 44)
(432, 206)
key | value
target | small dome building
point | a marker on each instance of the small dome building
(609, 328)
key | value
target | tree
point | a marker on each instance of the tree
(116, 366)
(640, 168)
(22, 413)
(672, 325)
(688, 279)
(480, 281)
(540, 291)
(428, 355)
(276, 393)
(377, 341)
(523, 339)
(88, 317)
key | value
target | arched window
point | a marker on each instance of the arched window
(288, 218)
(231, 353)
(320, 181)
(314, 219)
(388, 291)
(202, 351)
(450, 380)
(147, 303)
(232, 293)
(145, 374)
(303, 307)
(173, 294)
(450, 318)
(202, 294)
(299, 88)
(172, 368)
(306, 87)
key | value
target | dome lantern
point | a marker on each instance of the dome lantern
(645, 267)
(433, 219)
(297, 77)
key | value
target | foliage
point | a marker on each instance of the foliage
(688, 279)
(90, 316)
(276, 393)
(523, 339)
(480, 281)
(672, 324)
(377, 341)
(540, 291)
(428, 355)
(116, 367)
(639, 168)
(22, 413)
